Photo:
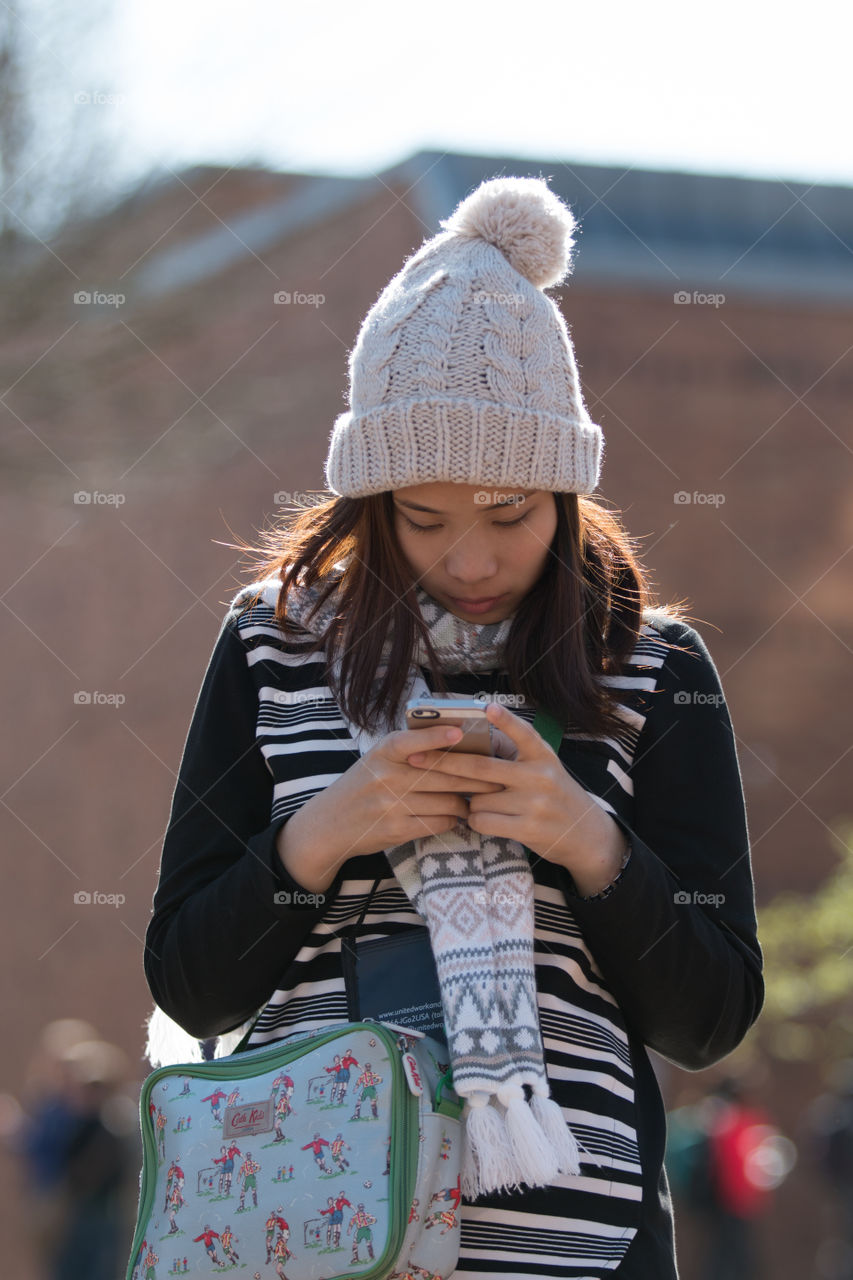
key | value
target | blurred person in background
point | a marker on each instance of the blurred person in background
(687, 1157)
(830, 1132)
(77, 1139)
(38, 1129)
(724, 1157)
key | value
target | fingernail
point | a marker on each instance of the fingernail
(452, 735)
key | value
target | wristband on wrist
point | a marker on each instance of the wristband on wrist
(608, 889)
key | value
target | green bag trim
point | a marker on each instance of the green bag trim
(404, 1129)
(452, 1107)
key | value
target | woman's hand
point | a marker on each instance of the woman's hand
(537, 802)
(379, 802)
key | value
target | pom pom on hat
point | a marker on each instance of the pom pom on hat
(525, 220)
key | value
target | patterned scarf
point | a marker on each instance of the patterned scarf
(475, 893)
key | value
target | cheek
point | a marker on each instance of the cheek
(538, 544)
(546, 528)
(412, 552)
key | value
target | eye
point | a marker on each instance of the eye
(428, 528)
(420, 528)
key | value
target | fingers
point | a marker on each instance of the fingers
(432, 803)
(420, 825)
(433, 824)
(438, 826)
(468, 765)
(406, 741)
(436, 780)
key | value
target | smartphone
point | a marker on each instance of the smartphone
(468, 714)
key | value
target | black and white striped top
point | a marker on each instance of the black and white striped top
(669, 959)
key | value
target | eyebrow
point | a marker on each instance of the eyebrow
(416, 506)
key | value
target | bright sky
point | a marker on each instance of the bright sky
(733, 87)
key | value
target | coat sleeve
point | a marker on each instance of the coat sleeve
(222, 933)
(676, 939)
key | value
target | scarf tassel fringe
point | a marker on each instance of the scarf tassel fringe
(528, 1143)
(550, 1119)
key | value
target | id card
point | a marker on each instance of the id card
(395, 980)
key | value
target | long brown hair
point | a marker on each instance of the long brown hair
(578, 622)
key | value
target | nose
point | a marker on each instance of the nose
(471, 563)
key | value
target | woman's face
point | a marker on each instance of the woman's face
(475, 543)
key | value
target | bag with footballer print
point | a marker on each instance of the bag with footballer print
(329, 1154)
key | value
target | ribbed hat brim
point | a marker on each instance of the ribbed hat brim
(463, 442)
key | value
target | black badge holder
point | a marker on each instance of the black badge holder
(393, 978)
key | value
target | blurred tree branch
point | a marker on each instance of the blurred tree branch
(58, 121)
(808, 953)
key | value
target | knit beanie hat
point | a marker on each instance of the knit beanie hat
(463, 370)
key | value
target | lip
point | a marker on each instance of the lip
(482, 605)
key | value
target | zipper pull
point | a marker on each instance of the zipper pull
(410, 1062)
(413, 1075)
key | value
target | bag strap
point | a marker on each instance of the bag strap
(549, 727)
(352, 929)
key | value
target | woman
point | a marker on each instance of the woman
(461, 553)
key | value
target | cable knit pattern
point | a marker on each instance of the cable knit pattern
(464, 370)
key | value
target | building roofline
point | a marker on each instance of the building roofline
(654, 229)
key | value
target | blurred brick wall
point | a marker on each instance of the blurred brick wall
(200, 407)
